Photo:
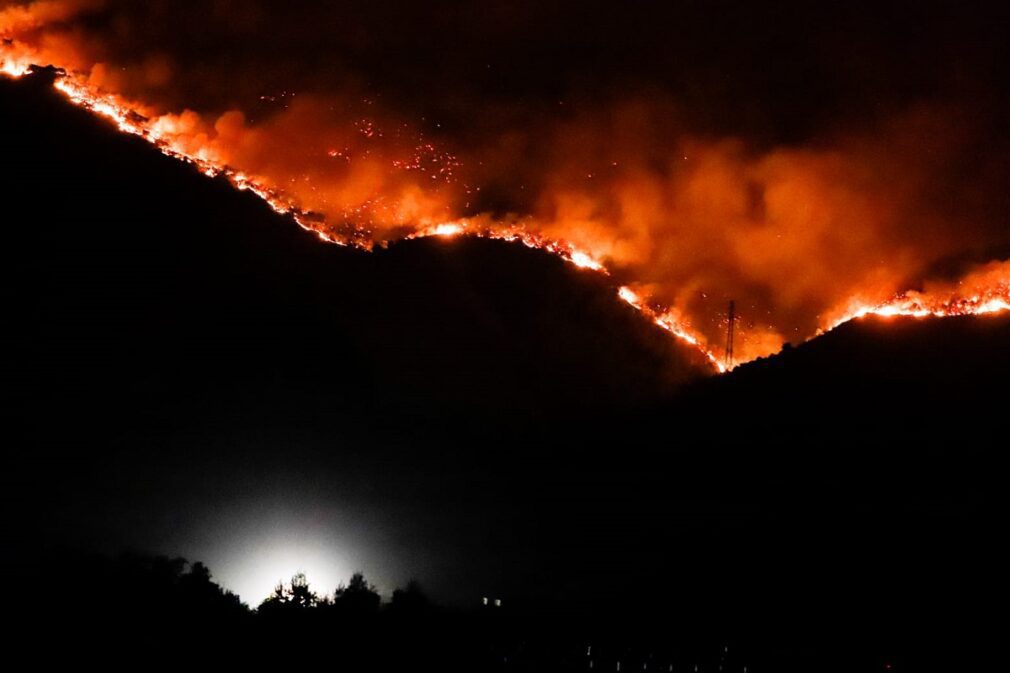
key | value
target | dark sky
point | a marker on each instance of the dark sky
(777, 70)
(190, 373)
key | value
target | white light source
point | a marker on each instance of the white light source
(262, 553)
(255, 578)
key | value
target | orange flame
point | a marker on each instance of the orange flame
(984, 291)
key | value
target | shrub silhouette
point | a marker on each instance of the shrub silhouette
(295, 595)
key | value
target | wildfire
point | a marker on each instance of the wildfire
(12, 68)
(126, 118)
(512, 233)
(982, 292)
(448, 230)
(669, 323)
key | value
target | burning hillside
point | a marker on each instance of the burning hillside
(901, 214)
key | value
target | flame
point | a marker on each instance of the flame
(984, 291)
(128, 120)
(13, 68)
(448, 229)
(669, 323)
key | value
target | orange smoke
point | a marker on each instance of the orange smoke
(802, 237)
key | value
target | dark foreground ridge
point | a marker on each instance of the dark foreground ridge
(926, 375)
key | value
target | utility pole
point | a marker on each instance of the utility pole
(729, 334)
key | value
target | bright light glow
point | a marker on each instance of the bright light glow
(252, 546)
(254, 577)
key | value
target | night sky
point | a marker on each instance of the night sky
(188, 372)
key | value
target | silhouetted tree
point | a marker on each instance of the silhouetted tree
(357, 597)
(131, 605)
(410, 601)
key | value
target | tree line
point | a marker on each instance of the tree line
(140, 612)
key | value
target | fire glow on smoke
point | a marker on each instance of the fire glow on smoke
(804, 238)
